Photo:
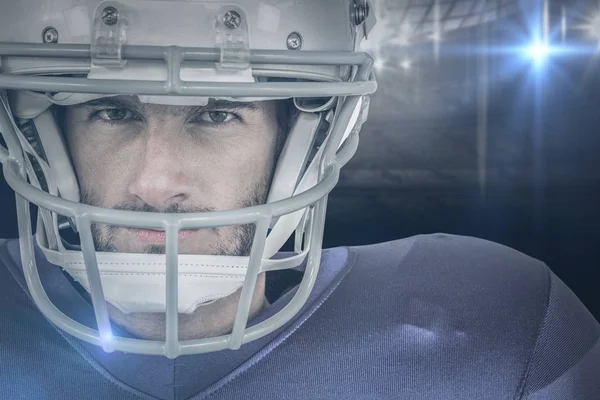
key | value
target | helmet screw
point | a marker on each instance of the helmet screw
(50, 35)
(110, 15)
(294, 41)
(361, 12)
(232, 19)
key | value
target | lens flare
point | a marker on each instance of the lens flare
(539, 51)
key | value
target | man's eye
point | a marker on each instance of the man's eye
(116, 114)
(216, 117)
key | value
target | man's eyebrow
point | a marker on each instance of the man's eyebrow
(231, 105)
(133, 104)
(115, 102)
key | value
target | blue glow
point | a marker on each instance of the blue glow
(106, 337)
(539, 52)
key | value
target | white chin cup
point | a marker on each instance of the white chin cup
(136, 283)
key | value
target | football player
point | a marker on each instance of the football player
(171, 149)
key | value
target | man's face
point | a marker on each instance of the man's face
(146, 157)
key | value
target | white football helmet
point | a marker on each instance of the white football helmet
(182, 52)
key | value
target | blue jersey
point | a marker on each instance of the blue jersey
(428, 317)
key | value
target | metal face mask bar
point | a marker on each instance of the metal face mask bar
(363, 84)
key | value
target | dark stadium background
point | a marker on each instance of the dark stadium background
(468, 136)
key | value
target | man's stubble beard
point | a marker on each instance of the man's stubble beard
(237, 242)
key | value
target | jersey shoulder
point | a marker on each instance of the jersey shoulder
(457, 271)
(513, 304)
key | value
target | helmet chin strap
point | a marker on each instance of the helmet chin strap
(135, 283)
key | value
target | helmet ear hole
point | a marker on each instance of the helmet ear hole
(315, 104)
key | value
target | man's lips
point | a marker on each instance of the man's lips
(152, 236)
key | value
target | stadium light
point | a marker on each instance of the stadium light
(379, 64)
(406, 64)
(539, 51)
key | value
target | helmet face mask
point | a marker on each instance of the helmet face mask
(203, 52)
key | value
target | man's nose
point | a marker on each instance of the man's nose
(161, 178)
